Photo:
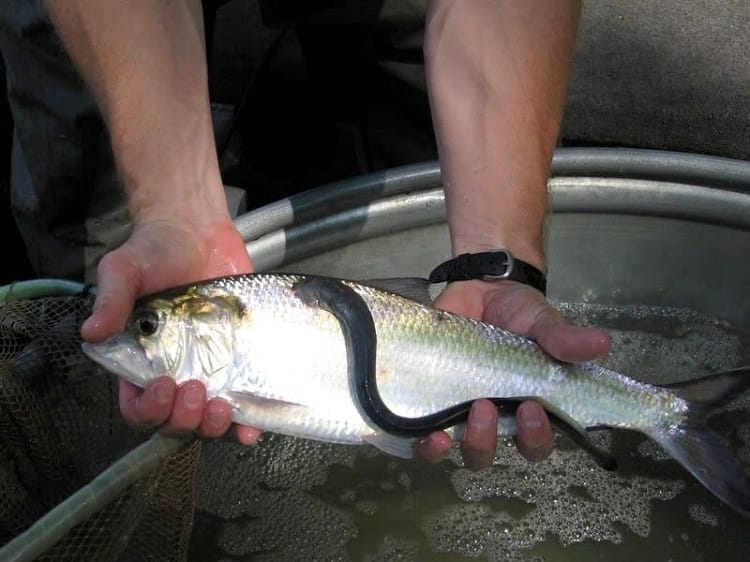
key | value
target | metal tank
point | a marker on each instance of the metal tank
(627, 226)
(651, 245)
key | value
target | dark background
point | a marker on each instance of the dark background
(311, 102)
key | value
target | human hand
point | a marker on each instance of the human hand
(525, 311)
(161, 253)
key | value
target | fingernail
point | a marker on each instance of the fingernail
(192, 399)
(91, 327)
(215, 419)
(530, 417)
(428, 441)
(481, 418)
(163, 394)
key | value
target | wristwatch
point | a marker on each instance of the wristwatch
(489, 266)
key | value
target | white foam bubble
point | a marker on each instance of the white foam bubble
(700, 513)
(467, 529)
(569, 496)
(661, 344)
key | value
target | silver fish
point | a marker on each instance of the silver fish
(282, 365)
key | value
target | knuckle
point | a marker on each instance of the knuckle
(179, 426)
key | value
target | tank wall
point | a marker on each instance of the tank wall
(593, 257)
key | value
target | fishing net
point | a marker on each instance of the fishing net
(60, 427)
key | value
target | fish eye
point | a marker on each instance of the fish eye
(146, 322)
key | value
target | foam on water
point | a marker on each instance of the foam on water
(290, 499)
(468, 529)
(567, 496)
(660, 344)
(700, 513)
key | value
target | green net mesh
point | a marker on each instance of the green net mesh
(60, 427)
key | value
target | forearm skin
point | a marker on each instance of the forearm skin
(145, 63)
(497, 74)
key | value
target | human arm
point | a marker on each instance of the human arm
(497, 74)
(145, 64)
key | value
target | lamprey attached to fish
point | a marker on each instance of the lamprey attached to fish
(283, 363)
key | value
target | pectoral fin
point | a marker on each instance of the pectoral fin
(287, 418)
(402, 447)
(413, 288)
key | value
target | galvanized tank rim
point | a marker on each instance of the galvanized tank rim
(585, 180)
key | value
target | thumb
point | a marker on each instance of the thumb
(573, 344)
(526, 311)
(118, 282)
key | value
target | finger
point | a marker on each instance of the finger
(147, 407)
(480, 441)
(434, 447)
(524, 310)
(535, 440)
(187, 411)
(573, 344)
(247, 435)
(118, 282)
(217, 417)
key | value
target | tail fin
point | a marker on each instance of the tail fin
(701, 451)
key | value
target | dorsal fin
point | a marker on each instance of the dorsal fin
(413, 288)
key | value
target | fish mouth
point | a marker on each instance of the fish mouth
(122, 356)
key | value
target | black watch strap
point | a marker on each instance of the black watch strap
(489, 266)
